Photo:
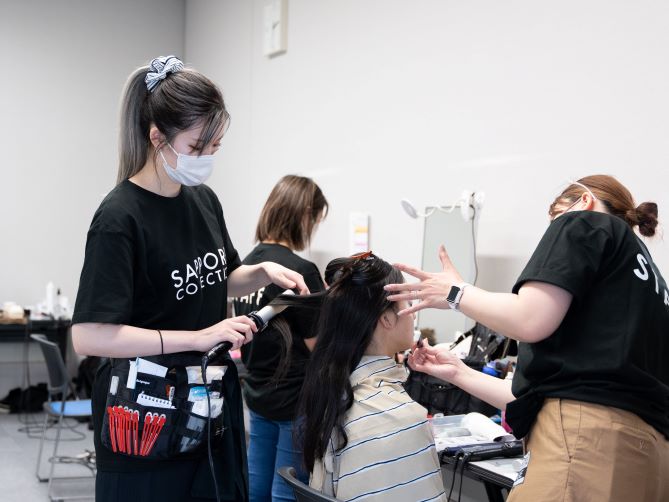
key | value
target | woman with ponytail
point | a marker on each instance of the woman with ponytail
(362, 435)
(158, 268)
(590, 394)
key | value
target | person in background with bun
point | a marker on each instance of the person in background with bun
(590, 394)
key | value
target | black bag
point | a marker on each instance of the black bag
(83, 382)
(488, 345)
(26, 400)
(439, 396)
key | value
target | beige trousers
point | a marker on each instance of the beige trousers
(591, 453)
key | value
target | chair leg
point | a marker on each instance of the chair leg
(41, 447)
(52, 460)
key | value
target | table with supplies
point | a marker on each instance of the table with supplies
(21, 361)
(18, 330)
(473, 446)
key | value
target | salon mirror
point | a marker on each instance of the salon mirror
(458, 235)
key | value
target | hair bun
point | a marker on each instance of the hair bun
(359, 271)
(335, 271)
(645, 216)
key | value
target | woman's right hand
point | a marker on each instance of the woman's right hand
(236, 330)
(432, 289)
(437, 361)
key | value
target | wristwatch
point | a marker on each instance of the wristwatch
(455, 295)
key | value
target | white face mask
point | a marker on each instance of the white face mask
(191, 170)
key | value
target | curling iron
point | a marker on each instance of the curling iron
(261, 319)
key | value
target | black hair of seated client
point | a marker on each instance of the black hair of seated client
(348, 313)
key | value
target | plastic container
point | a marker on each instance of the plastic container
(448, 426)
(50, 298)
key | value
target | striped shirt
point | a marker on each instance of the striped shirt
(390, 455)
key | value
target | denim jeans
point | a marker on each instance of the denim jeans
(271, 446)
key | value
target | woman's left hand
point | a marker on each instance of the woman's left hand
(432, 289)
(284, 277)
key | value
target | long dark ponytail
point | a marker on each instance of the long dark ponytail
(349, 311)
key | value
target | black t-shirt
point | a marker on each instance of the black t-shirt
(612, 347)
(159, 263)
(276, 399)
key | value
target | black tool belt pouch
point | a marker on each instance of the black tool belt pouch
(159, 419)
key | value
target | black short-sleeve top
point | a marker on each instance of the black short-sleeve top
(156, 262)
(161, 263)
(272, 397)
(612, 346)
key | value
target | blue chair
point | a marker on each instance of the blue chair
(59, 410)
(303, 493)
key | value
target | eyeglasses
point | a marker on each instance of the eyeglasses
(554, 212)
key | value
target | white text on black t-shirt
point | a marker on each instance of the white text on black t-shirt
(642, 273)
(204, 271)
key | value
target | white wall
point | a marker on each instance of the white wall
(377, 100)
(64, 66)
(380, 100)
(63, 69)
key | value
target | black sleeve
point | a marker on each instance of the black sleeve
(313, 280)
(234, 261)
(568, 256)
(106, 284)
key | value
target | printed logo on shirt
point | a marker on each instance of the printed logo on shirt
(252, 299)
(642, 273)
(203, 271)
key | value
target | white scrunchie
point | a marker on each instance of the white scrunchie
(159, 68)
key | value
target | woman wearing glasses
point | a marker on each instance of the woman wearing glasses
(363, 437)
(591, 390)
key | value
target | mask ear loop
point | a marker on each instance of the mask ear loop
(177, 153)
(165, 160)
(572, 182)
(583, 186)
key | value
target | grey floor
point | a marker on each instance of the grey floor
(18, 456)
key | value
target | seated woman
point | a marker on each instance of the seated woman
(363, 437)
